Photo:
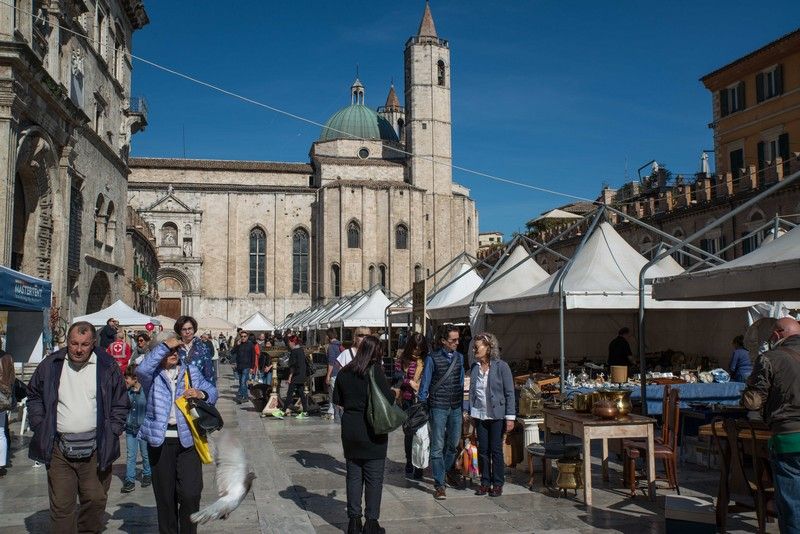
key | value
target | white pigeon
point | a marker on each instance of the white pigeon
(232, 478)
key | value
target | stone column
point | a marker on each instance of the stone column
(10, 106)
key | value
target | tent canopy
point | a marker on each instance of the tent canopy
(120, 311)
(462, 283)
(557, 214)
(211, 322)
(20, 291)
(498, 285)
(371, 313)
(771, 273)
(257, 323)
(604, 275)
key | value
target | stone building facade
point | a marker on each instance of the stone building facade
(140, 290)
(66, 119)
(756, 109)
(375, 204)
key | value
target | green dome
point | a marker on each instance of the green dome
(358, 121)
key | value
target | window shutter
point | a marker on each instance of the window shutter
(779, 80)
(742, 102)
(723, 103)
(783, 146)
(760, 87)
(760, 152)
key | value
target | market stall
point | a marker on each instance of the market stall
(24, 303)
(127, 316)
(771, 272)
(257, 323)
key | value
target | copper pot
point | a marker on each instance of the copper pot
(582, 402)
(605, 409)
(621, 398)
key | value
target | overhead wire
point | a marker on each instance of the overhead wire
(301, 118)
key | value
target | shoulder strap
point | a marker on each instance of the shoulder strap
(447, 373)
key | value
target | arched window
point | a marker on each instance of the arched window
(440, 78)
(401, 236)
(111, 226)
(258, 256)
(401, 124)
(371, 275)
(99, 219)
(336, 281)
(382, 270)
(353, 235)
(300, 261)
(417, 272)
(169, 234)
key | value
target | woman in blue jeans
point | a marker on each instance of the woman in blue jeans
(493, 411)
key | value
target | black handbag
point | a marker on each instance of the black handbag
(208, 418)
(417, 413)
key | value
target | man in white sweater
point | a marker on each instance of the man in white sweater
(83, 387)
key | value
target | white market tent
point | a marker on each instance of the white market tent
(211, 322)
(257, 323)
(355, 302)
(120, 311)
(371, 313)
(462, 283)
(516, 273)
(601, 286)
(770, 273)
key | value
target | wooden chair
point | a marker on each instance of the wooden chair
(666, 449)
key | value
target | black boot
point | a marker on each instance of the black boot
(371, 526)
(354, 526)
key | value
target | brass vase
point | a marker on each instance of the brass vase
(569, 475)
(621, 399)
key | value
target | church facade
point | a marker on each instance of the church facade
(374, 205)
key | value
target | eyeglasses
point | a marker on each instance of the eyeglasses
(187, 329)
(140, 340)
(453, 340)
(361, 335)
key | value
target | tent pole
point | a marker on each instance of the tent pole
(561, 299)
(687, 242)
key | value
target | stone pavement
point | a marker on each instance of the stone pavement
(301, 489)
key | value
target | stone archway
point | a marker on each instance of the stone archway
(32, 238)
(173, 286)
(99, 293)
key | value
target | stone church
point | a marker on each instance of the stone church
(375, 204)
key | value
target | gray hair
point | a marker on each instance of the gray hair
(489, 339)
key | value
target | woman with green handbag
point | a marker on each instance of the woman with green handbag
(364, 450)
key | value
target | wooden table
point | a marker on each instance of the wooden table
(589, 427)
(733, 484)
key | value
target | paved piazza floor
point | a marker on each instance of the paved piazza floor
(301, 489)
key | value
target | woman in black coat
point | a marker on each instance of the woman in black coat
(364, 451)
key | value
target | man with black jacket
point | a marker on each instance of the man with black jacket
(77, 407)
(243, 354)
(108, 334)
(298, 373)
(774, 389)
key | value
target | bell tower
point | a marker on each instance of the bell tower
(428, 134)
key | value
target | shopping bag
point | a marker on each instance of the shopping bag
(200, 441)
(421, 447)
(382, 415)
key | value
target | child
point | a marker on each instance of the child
(135, 419)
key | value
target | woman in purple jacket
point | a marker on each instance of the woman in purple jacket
(176, 467)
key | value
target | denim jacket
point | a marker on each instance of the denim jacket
(138, 408)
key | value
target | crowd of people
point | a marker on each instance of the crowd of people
(82, 398)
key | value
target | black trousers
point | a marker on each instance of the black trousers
(490, 450)
(407, 438)
(298, 389)
(365, 477)
(177, 485)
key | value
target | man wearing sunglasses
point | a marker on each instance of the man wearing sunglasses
(774, 388)
(442, 387)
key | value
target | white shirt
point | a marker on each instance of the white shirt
(172, 375)
(478, 408)
(345, 357)
(76, 410)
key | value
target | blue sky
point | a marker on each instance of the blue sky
(555, 94)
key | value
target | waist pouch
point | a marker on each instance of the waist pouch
(78, 446)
